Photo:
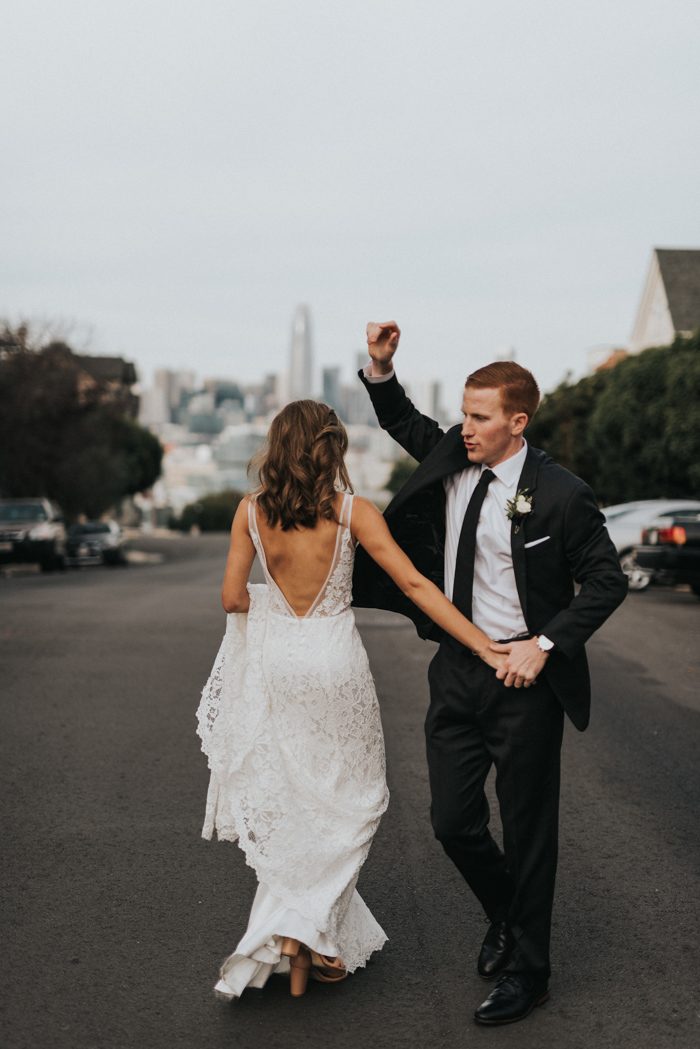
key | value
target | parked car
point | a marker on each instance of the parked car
(95, 543)
(626, 522)
(32, 532)
(671, 549)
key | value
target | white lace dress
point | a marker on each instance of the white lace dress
(290, 723)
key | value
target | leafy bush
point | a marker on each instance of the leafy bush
(211, 513)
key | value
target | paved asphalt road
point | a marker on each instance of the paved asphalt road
(117, 914)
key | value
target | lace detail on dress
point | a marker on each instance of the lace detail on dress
(290, 723)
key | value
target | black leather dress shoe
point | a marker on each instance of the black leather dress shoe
(513, 998)
(495, 951)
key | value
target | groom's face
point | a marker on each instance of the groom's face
(489, 434)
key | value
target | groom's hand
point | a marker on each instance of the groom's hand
(524, 661)
(382, 341)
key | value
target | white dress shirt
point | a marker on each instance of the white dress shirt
(496, 606)
(495, 603)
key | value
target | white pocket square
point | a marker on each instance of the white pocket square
(536, 542)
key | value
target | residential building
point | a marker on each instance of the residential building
(670, 303)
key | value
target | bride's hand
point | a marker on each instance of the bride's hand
(382, 341)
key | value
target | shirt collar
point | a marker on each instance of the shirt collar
(510, 469)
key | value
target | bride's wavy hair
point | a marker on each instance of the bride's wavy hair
(301, 465)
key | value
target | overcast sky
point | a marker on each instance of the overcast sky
(176, 177)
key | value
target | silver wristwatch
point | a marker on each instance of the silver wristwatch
(544, 644)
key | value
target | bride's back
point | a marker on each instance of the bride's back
(299, 559)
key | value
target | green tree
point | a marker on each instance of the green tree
(400, 473)
(211, 513)
(65, 435)
(141, 452)
(632, 432)
(561, 424)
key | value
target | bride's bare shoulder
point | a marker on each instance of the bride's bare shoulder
(365, 515)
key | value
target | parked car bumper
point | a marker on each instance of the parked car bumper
(27, 551)
(76, 559)
(89, 554)
(671, 564)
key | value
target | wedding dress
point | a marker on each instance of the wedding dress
(290, 723)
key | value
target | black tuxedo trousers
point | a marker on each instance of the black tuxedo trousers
(474, 721)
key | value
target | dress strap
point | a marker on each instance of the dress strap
(351, 503)
(346, 510)
(252, 521)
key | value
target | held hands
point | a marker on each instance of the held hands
(495, 660)
(382, 342)
(523, 662)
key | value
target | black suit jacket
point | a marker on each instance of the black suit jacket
(577, 549)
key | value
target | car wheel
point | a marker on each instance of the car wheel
(637, 578)
(695, 587)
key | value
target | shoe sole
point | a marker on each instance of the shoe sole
(513, 1019)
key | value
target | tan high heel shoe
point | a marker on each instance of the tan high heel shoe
(327, 970)
(299, 969)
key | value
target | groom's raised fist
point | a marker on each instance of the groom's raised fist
(382, 341)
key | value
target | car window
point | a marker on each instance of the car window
(22, 512)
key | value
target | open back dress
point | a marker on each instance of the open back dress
(290, 723)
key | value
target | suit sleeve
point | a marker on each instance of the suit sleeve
(595, 566)
(416, 433)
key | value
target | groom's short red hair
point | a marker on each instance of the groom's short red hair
(519, 389)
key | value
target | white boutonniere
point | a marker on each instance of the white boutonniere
(519, 506)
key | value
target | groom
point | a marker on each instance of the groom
(506, 532)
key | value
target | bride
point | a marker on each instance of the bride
(289, 718)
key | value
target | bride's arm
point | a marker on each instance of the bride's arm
(241, 553)
(370, 529)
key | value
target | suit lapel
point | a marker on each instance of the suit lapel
(446, 458)
(526, 482)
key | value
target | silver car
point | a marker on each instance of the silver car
(32, 531)
(626, 521)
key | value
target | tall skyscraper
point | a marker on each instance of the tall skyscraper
(301, 356)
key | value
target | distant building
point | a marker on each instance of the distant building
(114, 376)
(176, 387)
(331, 388)
(154, 410)
(301, 356)
(427, 395)
(232, 452)
(164, 402)
(224, 391)
(670, 303)
(356, 407)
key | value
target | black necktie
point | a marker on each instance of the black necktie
(466, 549)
